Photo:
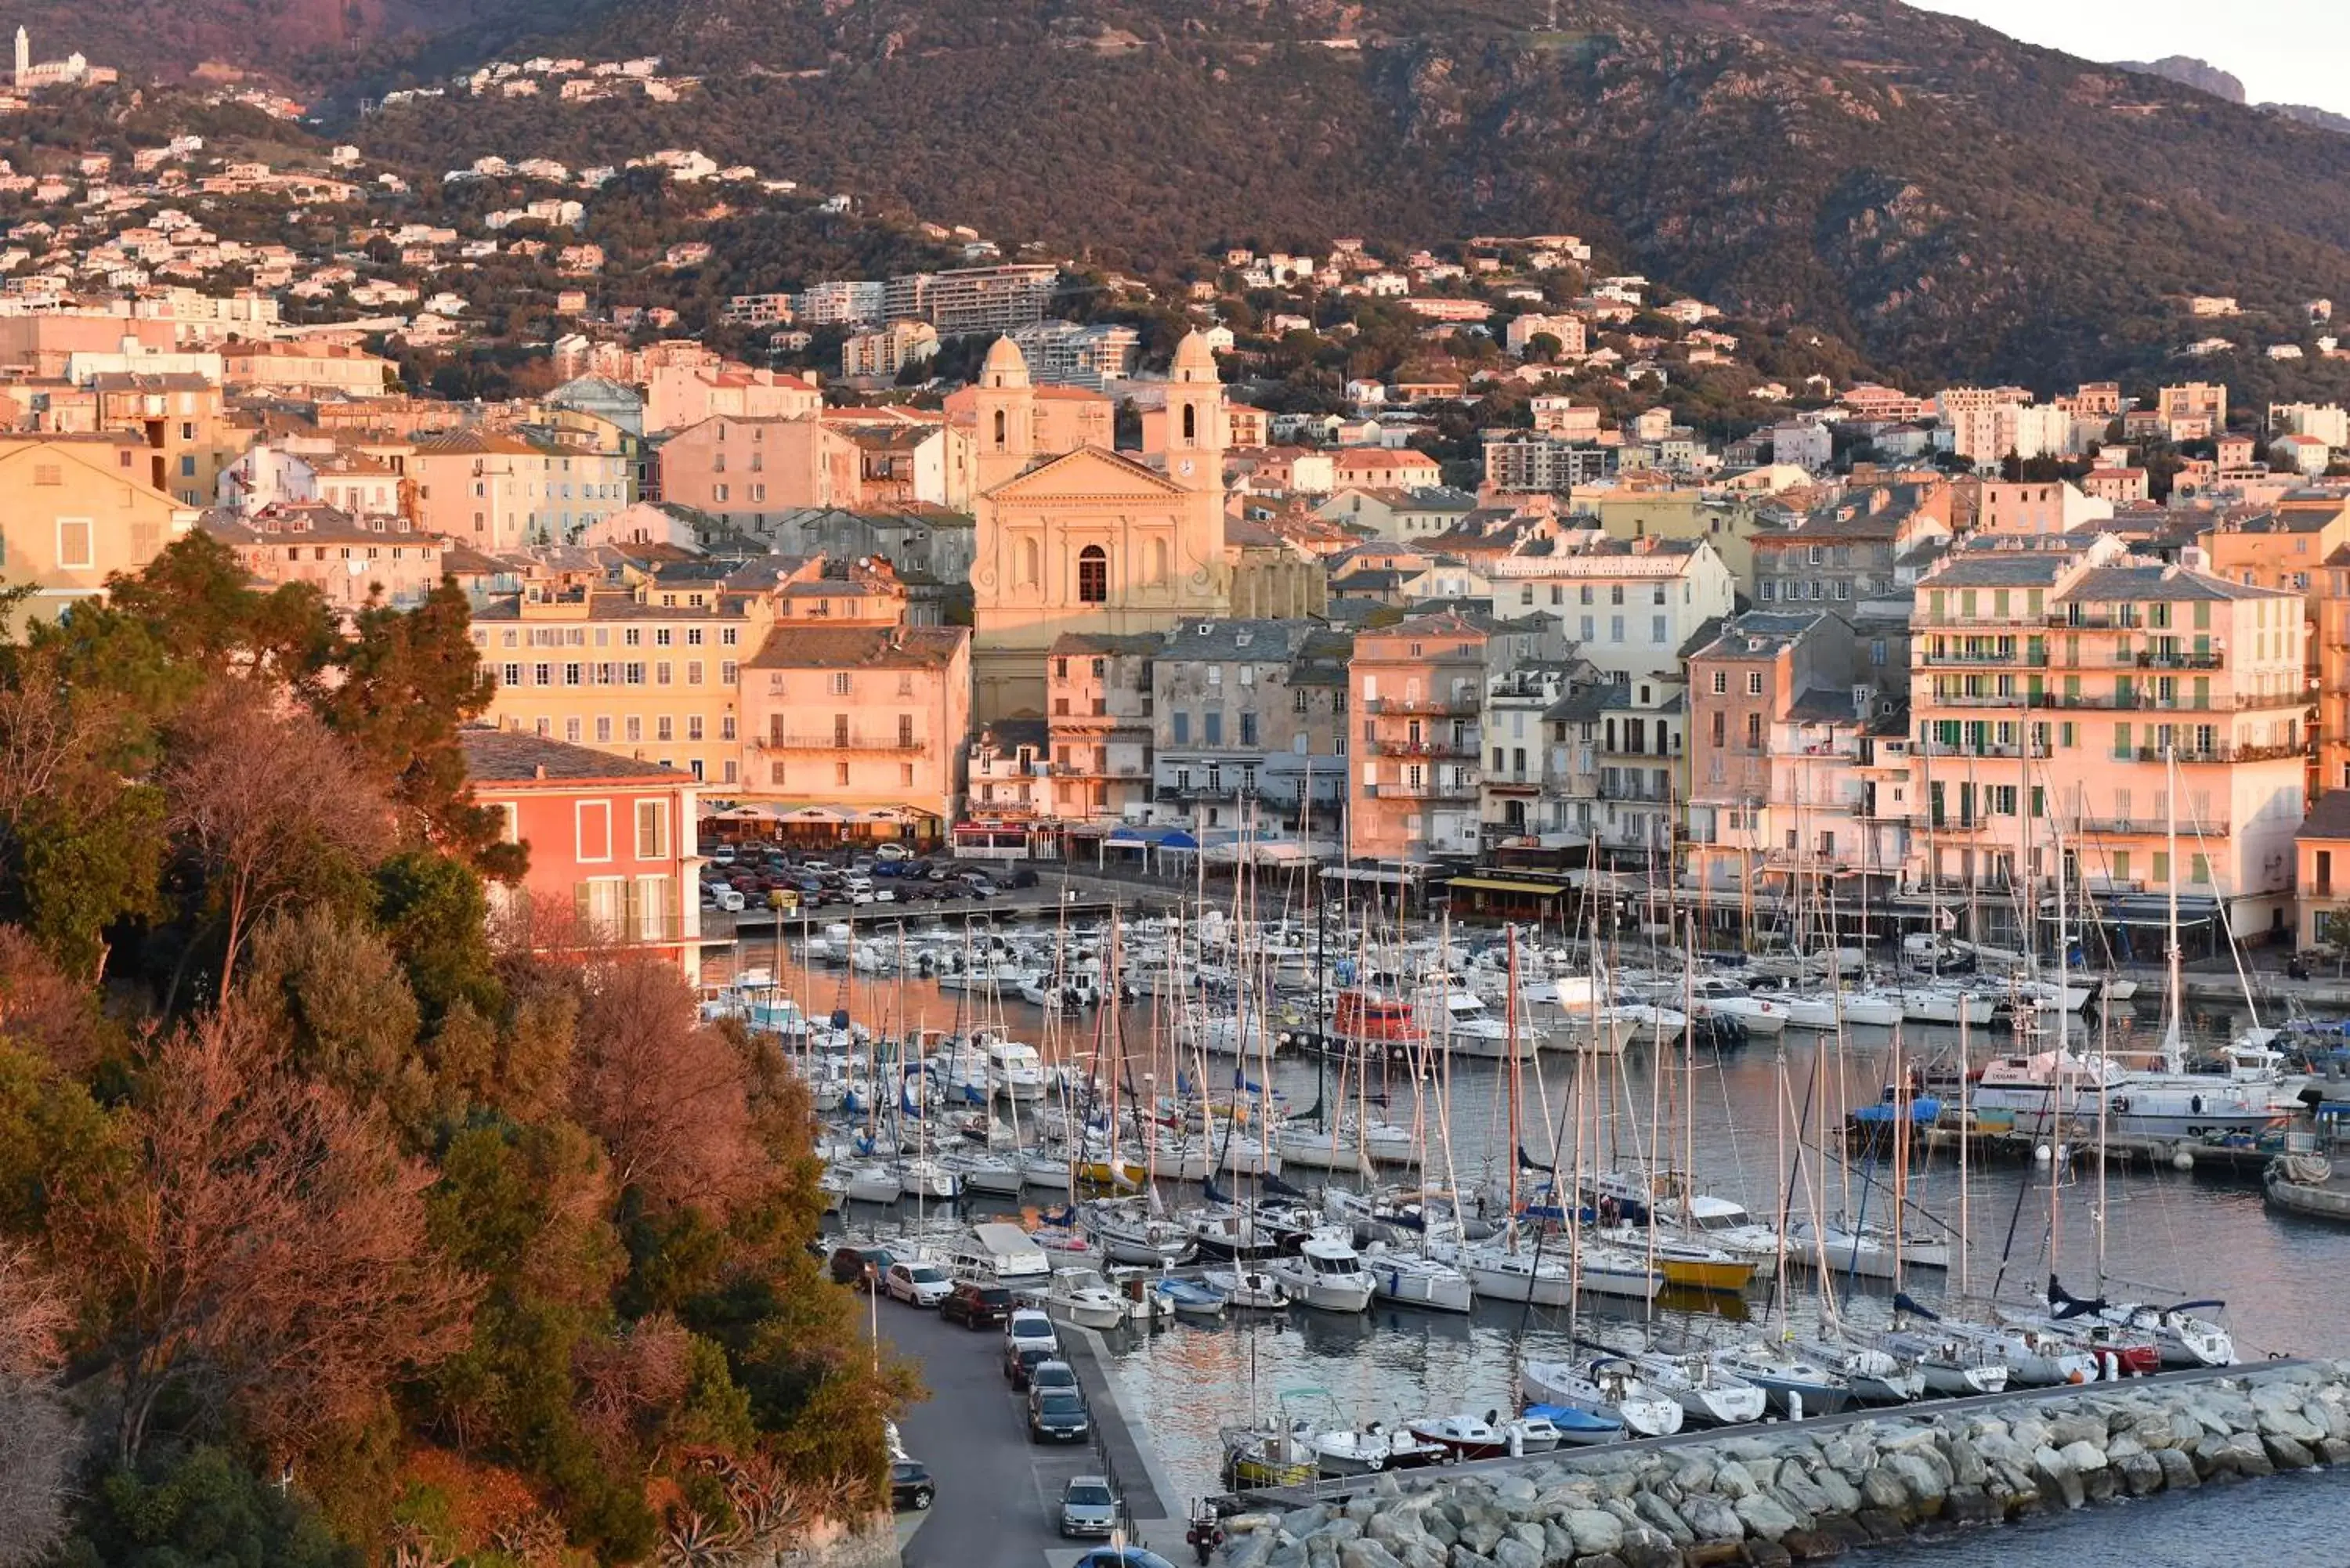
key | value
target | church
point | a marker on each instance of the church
(1090, 540)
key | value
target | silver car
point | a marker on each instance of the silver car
(1088, 1507)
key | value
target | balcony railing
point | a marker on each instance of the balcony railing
(1090, 771)
(2112, 702)
(1454, 707)
(1201, 793)
(1515, 783)
(2020, 659)
(1090, 723)
(1430, 747)
(2143, 827)
(894, 745)
(1427, 791)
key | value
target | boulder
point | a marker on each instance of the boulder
(1558, 1546)
(1881, 1525)
(2101, 1485)
(2075, 1425)
(1794, 1485)
(2056, 1477)
(1715, 1554)
(1966, 1464)
(1880, 1487)
(2335, 1450)
(1645, 1547)
(2084, 1456)
(2140, 1472)
(2249, 1455)
(1599, 1559)
(1734, 1482)
(1481, 1527)
(1767, 1517)
(1661, 1515)
(1366, 1554)
(1969, 1505)
(1694, 1474)
(1760, 1553)
(1810, 1545)
(1925, 1474)
(1842, 1495)
(1712, 1519)
(2287, 1453)
(1515, 1492)
(2178, 1469)
(1462, 1557)
(1513, 1552)
(1360, 1506)
(1338, 1532)
(1321, 1552)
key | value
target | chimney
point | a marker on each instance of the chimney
(539, 771)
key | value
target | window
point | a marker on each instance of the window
(728, 670)
(52, 474)
(1753, 731)
(1211, 727)
(840, 774)
(1092, 575)
(542, 675)
(635, 728)
(838, 685)
(1720, 727)
(693, 672)
(1248, 729)
(1182, 727)
(571, 731)
(592, 831)
(693, 726)
(73, 541)
(604, 728)
(652, 830)
(662, 728)
(1722, 683)
(905, 731)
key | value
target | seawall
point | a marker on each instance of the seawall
(1797, 1492)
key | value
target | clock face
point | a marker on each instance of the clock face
(1184, 467)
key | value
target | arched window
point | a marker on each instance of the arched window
(1092, 575)
(1191, 423)
(1000, 428)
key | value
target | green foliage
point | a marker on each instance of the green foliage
(432, 911)
(202, 1508)
(82, 870)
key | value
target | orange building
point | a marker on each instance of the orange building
(2303, 546)
(1419, 688)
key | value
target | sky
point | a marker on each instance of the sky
(2284, 51)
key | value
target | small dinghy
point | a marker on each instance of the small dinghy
(1576, 1427)
(1251, 1290)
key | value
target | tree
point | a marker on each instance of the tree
(268, 804)
(668, 1096)
(330, 986)
(37, 1431)
(265, 1241)
(432, 909)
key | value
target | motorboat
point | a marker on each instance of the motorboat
(1608, 1388)
(998, 1252)
(1795, 1384)
(1085, 1298)
(1575, 1428)
(1720, 1222)
(1274, 1451)
(1188, 1299)
(2184, 1338)
(1717, 997)
(1709, 1395)
(1488, 1437)
(1014, 1071)
(1408, 1279)
(1226, 1234)
(1326, 1273)
(1251, 1290)
(1461, 1024)
(1935, 1002)
(1369, 1450)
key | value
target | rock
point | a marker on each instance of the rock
(1734, 1482)
(1247, 1550)
(2100, 1486)
(1765, 1554)
(1366, 1554)
(1423, 1556)
(1969, 1505)
(2178, 1469)
(1515, 1491)
(2058, 1476)
(1926, 1475)
(1712, 1519)
(1529, 1532)
(1558, 1546)
(1881, 1525)
(1646, 1547)
(2069, 1427)
(1599, 1559)
(1966, 1464)
(1387, 1486)
(1694, 1474)
(1361, 1507)
(2335, 1449)
(1595, 1531)
(1767, 1517)
(2140, 1473)
(2287, 1453)
(1715, 1554)
(2155, 1430)
(1881, 1487)
(1462, 1557)
(1480, 1528)
(1439, 1528)
(1321, 1552)
(1659, 1515)
(1513, 1552)
(2249, 1455)
(2084, 1456)
(1340, 1530)
(1810, 1545)
(1842, 1495)
(1794, 1485)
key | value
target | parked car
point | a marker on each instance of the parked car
(1088, 1507)
(1059, 1416)
(857, 882)
(1020, 1361)
(976, 1307)
(1047, 1376)
(979, 884)
(910, 1486)
(1028, 1326)
(1121, 1557)
(917, 1284)
(850, 1264)
(718, 896)
(1023, 876)
(721, 855)
(893, 852)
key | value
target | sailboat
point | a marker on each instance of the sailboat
(1609, 1387)
(2184, 1338)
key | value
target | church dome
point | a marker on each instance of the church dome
(1005, 366)
(1194, 361)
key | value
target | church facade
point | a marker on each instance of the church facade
(1090, 541)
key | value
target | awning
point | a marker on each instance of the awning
(1497, 884)
(1366, 873)
(1153, 839)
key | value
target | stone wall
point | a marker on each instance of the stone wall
(1799, 1492)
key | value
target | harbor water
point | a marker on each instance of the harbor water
(1748, 1123)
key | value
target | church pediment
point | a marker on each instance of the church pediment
(1086, 474)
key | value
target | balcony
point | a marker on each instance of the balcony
(843, 744)
(1201, 793)
(1463, 749)
(1092, 771)
(1440, 706)
(1988, 749)
(1515, 783)
(2181, 660)
(2018, 659)
(1428, 791)
(1093, 723)
(2141, 827)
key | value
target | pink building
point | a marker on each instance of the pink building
(611, 841)
(1418, 690)
(348, 560)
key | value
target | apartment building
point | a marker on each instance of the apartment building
(1615, 768)
(1064, 353)
(183, 424)
(883, 353)
(499, 491)
(1418, 694)
(1517, 786)
(80, 508)
(1399, 515)
(350, 560)
(1249, 722)
(2194, 411)
(1766, 671)
(651, 674)
(2102, 700)
(972, 299)
(868, 722)
(1100, 706)
(1518, 463)
(1841, 556)
(307, 368)
(1628, 605)
(613, 859)
(2036, 506)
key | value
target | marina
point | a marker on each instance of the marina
(1591, 1242)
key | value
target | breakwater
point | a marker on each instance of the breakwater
(1804, 1492)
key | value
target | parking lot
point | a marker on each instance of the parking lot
(998, 1494)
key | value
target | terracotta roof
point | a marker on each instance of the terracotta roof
(513, 756)
(859, 647)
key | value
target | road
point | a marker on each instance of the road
(998, 1494)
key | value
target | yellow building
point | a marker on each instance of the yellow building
(1091, 541)
(651, 672)
(1724, 520)
(182, 420)
(78, 509)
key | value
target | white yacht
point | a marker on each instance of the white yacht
(1085, 1298)
(1709, 1395)
(1459, 1024)
(1325, 1273)
(1408, 1279)
(1014, 1071)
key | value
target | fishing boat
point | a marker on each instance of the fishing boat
(2186, 1339)
(1795, 1384)
(1326, 1273)
(1085, 1298)
(1274, 1451)
(1188, 1299)
(1608, 1388)
(1250, 1290)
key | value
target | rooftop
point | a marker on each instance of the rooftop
(513, 756)
(859, 647)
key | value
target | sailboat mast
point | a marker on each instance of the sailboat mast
(1509, 1017)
